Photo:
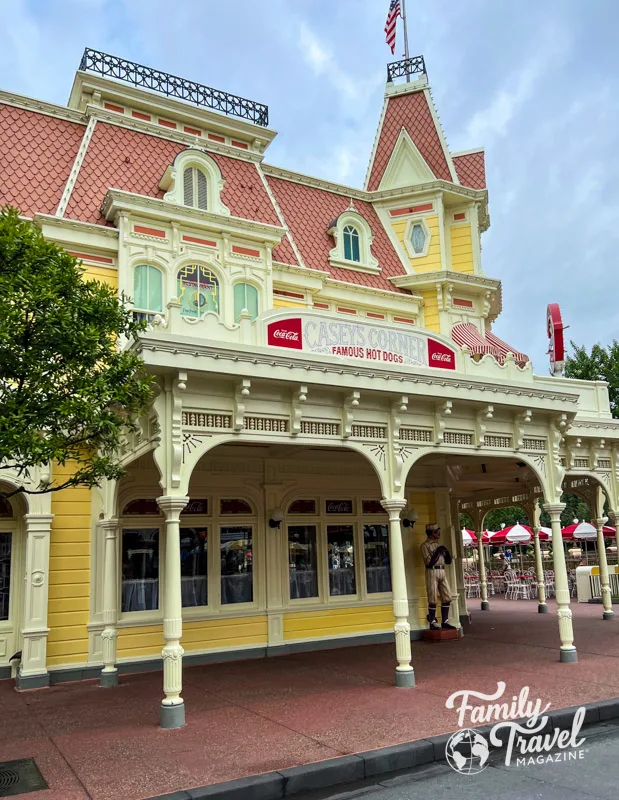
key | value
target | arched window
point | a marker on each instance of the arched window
(195, 188)
(245, 298)
(198, 291)
(147, 290)
(351, 244)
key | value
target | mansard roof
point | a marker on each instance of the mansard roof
(133, 161)
(471, 168)
(308, 211)
(37, 152)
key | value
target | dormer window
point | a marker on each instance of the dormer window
(194, 180)
(353, 242)
(195, 188)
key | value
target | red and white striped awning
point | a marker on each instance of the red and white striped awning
(466, 335)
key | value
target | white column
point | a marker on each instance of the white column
(567, 651)
(483, 580)
(33, 667)
(404, 674)
(172, 706)
(109, 529)
(607, 602)
(542, 606)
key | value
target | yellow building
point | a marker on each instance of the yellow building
(326, 369)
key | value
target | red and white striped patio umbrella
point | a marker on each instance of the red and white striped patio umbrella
(469, 539)
(585, 530)
(515, 534)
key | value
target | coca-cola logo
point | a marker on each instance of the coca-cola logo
(286, 333)
(292, 335)
(440, 356)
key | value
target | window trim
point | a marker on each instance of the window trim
(417, 220)
(172, 182)
(367, 262)
(199, 263)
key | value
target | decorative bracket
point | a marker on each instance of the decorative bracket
(350, 403)
(299, 397)
(480, 425)
(398, 407)
(520, 420)
(241, 393)
(443, 410)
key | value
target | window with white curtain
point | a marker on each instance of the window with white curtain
(147, 292)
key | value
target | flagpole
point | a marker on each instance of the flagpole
(406, 56)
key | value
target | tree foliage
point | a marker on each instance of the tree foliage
(68, 393)
(601, 364)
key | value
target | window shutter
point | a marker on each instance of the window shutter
(188, 187)
(202, 190)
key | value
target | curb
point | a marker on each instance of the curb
(370, 764)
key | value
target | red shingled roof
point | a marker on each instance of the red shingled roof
(410, 111)
(471, 169)
(36, 152)
(308, 212)
(119, 158)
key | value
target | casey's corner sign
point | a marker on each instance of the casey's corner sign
(358, 341)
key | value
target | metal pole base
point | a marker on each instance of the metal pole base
(568, 656)
(405, 680)
(542, 608)
(109, 679)
(172, 716)
(608, 615)
(485, 605)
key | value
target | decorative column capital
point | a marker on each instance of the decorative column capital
(172, 505)
(393, 508)
(109, 526)
(599, 523)
(39, 523)
(554, 509)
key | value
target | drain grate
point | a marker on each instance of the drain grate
(19, 777)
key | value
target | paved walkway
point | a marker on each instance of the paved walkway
(250, 717)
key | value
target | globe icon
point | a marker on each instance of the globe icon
(467, 752)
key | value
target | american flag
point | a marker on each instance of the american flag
(390, 25)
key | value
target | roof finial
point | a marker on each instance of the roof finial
(351, 206)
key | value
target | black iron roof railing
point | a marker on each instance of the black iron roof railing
(172, 86)
(406, 67)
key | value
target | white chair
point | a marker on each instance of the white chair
(516, 588)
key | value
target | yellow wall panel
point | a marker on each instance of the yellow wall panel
(430, 310)
(431, 262)
(203, 635)
(103, 274)
(279, 302)
(462, 249)
(337, 621)
(69, 574)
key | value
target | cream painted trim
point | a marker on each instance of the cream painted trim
(410, 87)
(75, 170)
(418, 220)
(42, 107)
(280, 215)
(172, 181)
(375, 144)
(441, 136)
(367, 263)
(404, 148)
(86, 83)
(468, 152)
(117, 201)
(170, 135)
(472, 282)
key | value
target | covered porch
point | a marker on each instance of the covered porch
(255, 716)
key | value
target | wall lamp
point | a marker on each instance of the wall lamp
(276, 518)
(410, 518)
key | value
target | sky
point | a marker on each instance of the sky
(535, 83)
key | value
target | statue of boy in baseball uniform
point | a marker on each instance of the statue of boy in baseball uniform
(436, 556)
